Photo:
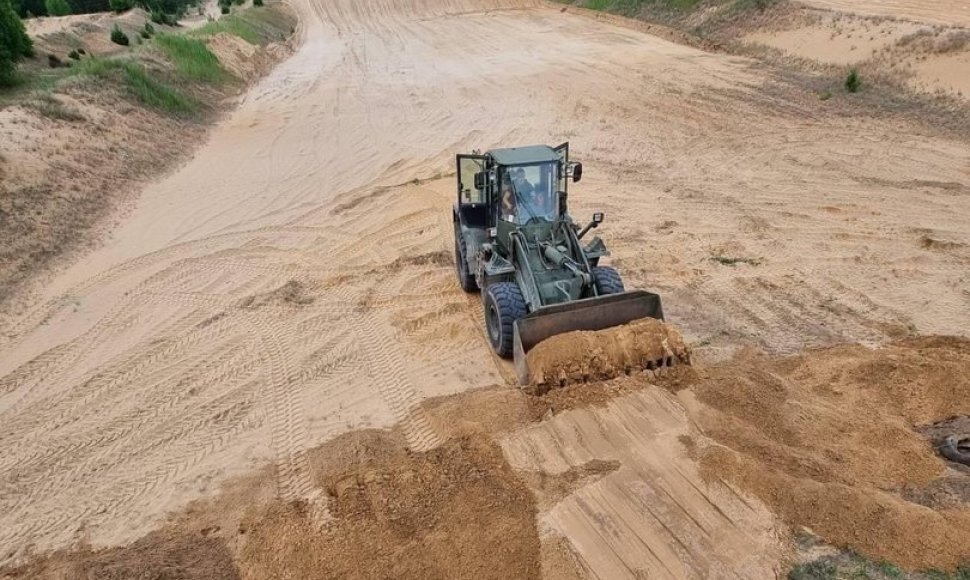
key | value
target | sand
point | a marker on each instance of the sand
(836, 39)
(142, 377)
(829, 441)
(952, 12)
(584, 356)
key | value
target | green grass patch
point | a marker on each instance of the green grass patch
(139, 83)
(192, 58)
(817, 570)
(254, 25)
(232, 24)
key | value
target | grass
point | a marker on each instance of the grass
(49, 106)
(851, 566)
(137, 81)
(633, 6)
(817, 570)
(192, 58)
(232, 24)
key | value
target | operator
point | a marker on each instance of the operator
(508, 202)
(522, 184)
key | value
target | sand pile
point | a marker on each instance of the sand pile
(828, 440)
(584, 356)
(457, 511)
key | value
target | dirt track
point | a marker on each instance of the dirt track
(292, 283)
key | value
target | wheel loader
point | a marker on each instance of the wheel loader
(538, 271)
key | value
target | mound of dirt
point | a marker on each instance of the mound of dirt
(167, 553)
(584, 356)
(828, 440)
(457, 511)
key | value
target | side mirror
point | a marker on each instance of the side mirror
(577, 172)
(480, 178)
(597, 220)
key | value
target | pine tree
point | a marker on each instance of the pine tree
(14, 42)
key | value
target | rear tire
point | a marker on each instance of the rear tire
(465, 278)
(504, 305)
(607, 280)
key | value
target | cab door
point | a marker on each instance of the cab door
(562, 183)
(472, 201)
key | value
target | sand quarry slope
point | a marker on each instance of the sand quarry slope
(293, 283)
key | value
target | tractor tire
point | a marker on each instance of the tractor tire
(607, 280)
(504, 305)
(956, 448)
(465, 278)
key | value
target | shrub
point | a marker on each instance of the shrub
(159, 17)
(74, 55)
(817, 570)
(852, 81)
(145, 34)
(57, 7)
(14, 42)
(118, 36)
(257, 2)
(121, 5)
(53, 61)
(149, 28)
(224, 9)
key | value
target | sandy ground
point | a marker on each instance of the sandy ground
(949, 12)
(293, 282)
(837, 39)
(925, 57)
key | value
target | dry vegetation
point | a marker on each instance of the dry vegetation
(78, 143)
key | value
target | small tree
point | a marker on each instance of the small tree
(121, 5)
(118, 36)
(257, 2)
(14, 42)
(852, 82)
(57, 7)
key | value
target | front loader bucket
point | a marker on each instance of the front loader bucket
(587, 314)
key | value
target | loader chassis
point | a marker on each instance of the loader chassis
(516, 243)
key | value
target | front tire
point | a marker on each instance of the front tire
(504, 305)
(607, 280)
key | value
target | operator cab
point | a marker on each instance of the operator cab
(514, 187)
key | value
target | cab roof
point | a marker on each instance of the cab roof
(523, 155)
